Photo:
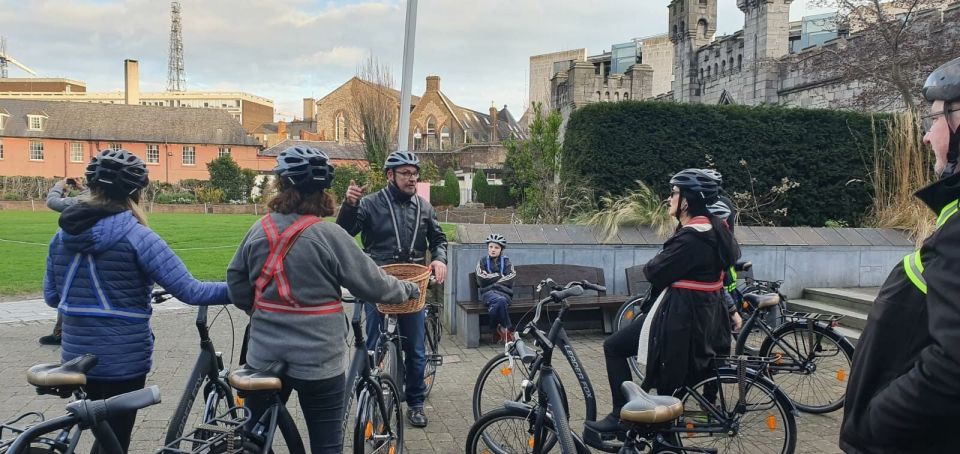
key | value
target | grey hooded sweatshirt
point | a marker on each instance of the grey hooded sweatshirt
(320, 261)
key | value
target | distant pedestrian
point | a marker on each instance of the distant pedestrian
(63, 194)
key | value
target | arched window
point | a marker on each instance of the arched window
(674, 29)
(683, 26)
(708, 72)
(716, 69)
(739, 62)
(445, 138)
(626, 96)
(724, 66)
(417, 139)
(598, 97)
(731, 63)
(431, 135)
(607, 96)
(340, 128)
(616, 96)
(702, 28)
(701, 73)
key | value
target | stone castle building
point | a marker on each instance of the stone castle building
(769, 61)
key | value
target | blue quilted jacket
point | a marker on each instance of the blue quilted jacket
(107, 311)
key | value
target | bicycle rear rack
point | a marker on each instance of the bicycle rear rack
(829, 318)
(226, 431)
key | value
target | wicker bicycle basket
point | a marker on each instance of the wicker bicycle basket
(418, 274)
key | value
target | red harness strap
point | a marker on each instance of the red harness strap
(280, 244)
(699, 286)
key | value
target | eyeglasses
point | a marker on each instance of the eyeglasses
(931, 119)
(408, 174)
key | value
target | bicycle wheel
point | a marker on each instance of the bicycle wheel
(498, 382)
(811, 366)
(764, 424)
(431, 328)
(379, 423)
(389, 363)
(627, 312)
(215, 399)
(510, 430)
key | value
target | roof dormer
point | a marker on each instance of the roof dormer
(36, 121)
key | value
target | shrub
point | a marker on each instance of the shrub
(182, 198)
(823, 152)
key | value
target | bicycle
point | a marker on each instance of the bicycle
(83, 415)
(802, 348)
(208, 374)
(433, 330)
(503, 376)
(61, 380)
(378, 425)
(541, 424)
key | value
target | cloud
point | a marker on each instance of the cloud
(286, 50)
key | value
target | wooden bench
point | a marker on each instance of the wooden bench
(525, 298)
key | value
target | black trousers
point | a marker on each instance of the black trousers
(322, 404)
(122, 426)
(616, 349)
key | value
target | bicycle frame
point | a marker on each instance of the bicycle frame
(210, 364)
(799, 361)
(276, 417)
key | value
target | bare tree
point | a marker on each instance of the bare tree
(891, 47)
(375, 110)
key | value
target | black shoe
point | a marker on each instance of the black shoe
(50, 339)
(609, 424)
(416, 417)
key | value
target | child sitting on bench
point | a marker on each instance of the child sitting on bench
(495, 280)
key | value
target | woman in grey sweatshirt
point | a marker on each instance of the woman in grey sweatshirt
(287, 275)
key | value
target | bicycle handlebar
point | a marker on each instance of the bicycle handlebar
(89, 414)
(159, 296)
(562, 292)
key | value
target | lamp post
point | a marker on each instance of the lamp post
(409, 37)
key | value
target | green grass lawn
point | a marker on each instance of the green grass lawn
(206, 243)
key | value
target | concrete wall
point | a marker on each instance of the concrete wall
(801, 257)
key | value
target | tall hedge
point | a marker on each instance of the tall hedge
(610, 145)
(449, 193)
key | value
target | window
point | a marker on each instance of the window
(739, 62)
(702, 28)
(189, 156)
(445, 137)
(116, 146)
(1, 148)
(3, 120)
(76, 152)
(616, 96)
(340, 128)
(224, 151)
(36, 150)
(716, 69)
(626, 96)
(36, 122)
(153, 154)
(417, 139)
(431, 125)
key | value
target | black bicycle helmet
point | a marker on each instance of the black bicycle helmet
(719, 210)
(943, 84)
(714, 174)
(118, 173)
(695, 184)
(498, 239)
(401, 158)
(304, 168)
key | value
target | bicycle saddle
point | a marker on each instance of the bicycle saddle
(249, 379)
(642, 408)
(743, 266)
(70, 373)
(762, 300)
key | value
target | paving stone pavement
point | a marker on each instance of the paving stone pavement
(448, 407)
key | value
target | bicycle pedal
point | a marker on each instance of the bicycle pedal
(436, 360)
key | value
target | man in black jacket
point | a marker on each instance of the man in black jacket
(398, 226)
(904, 389)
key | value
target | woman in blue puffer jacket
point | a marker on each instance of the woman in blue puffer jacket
(102, 266)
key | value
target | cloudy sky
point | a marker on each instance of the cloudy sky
(286, 50)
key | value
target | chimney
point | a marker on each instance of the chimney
(309, 109)
(433, 83)
(493, 123)
(131, 82)
(282, 130)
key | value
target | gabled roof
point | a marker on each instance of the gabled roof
(293, 127)
(124, 123)
(390, 91)
(334, 150)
